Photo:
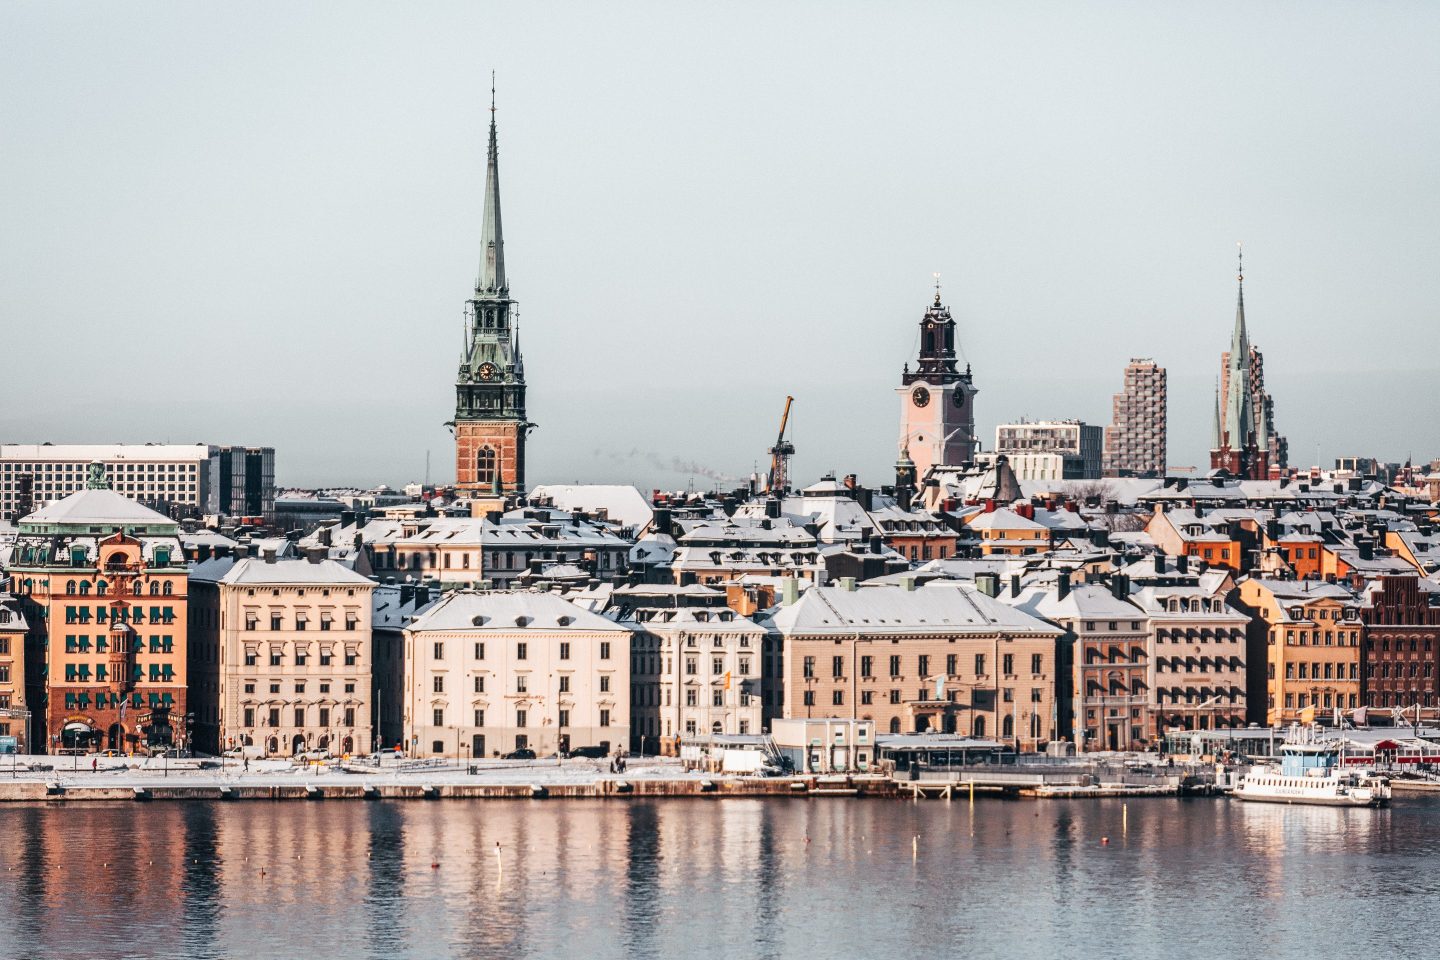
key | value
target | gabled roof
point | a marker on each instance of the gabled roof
(97, 508)
(941, 607)
(509, 611)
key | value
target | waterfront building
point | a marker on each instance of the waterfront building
(490, 423)
(1401, 652)
(1109, 640)
(393, 608)
(942, 657)
(102, 583)
(1197, 654)
(180, 480)
(826, 745)
(695, 669)
(494, 672)
(281, 655)
(1135, 440)
(14, 715)
(1307, 633)
(937, 409)
(1243, 439)
(1051, 449)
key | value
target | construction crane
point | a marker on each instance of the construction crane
(780, 454)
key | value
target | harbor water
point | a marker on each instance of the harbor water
(785, 877)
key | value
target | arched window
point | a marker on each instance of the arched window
(154, 588)
(979, 730)
(894, 724)
(69, 586)
(136, 588)
(1007, 726)
(485, 465)
(100, 588)
(168, 588)
(84, 588)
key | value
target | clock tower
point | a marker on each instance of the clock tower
(937, 401)
(490, 423)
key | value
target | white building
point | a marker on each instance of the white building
(1075, 446)
(494, 672)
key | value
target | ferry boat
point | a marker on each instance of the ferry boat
(1312, 772)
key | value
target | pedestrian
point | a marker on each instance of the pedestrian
(94, 764)
(246, 762)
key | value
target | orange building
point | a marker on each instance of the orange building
(1187, 533)
(1311, 637)
(102, 582)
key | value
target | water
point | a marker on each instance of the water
(733, 878)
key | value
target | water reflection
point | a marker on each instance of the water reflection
(765, 878)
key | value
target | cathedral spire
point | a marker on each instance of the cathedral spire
(492, 240)
(1215, 438)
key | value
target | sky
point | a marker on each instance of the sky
(259, 223)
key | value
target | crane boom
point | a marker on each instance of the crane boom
(780, 454)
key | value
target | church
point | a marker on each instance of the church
(937, 409)
(490, 424)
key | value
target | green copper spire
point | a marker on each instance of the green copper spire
(492, 240)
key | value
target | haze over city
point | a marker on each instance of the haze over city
(214, 233)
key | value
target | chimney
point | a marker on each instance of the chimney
(493, 516)
(1120, 586)
(325, 534)
(986, 583)
(1062, 585)
(268, 554)
(877, 544)
(316, 554)
(789, 590)
(242, 550)
(1159, 563)
(850, 481)
(1367, 548)
(347, 518)
(847, 584)
(407, 593)
(1182, 563)
(989, 506)
(422, 594)
(1014, 584)
(909, 584)
(772, 508)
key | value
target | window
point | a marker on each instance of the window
(979, 664)
(717, 698)
(894, 696)
(867, 697)
(520, 717)
(924, 666)
(952, 665)
(275, 621)
(249, 716)
(299, 716)
(479, 651)
(895, 666)
(522, 650)
(604, 718)
(565, 650)
(522, 683)
(439, 651)
(809, 698)
(1007, 664)
(604, 652)
(326, 657)
(837, 666)
(437, 683)
(480, 718)
(837, 698)
(437, 717)
(1037, 663)
(564, 718)
(485, 466)
(808, 668)
(324, 716)
(867, 666)
(604, 683)
(275, 657)
(480, 687)
(350, 658)
(274, 716)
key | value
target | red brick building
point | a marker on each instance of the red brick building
(1402, 643)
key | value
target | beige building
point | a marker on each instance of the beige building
(13, 714)
(694, 670)
(493, 672)
(1135, 439)
(942, 657)
(1197, 659)
(283, 655)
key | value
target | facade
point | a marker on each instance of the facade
(694, 670)
(726, 549)
(281, 656)
(937, 409)
(826, 745)
(1243, 440)
(1075, 445)
(1401, 655)
(393, 608)
(14, 715)
(942, 657)
(103, 585)
(1135, 440)
(1307, 634)
(1198, 649)
(490, 425)
(495, 672)
(174, 479)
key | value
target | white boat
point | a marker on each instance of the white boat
(1312, 771)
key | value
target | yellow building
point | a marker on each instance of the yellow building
(1312, 644)
(13, 715)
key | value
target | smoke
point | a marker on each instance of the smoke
(688, 468)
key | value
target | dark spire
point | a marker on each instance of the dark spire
(492, 240)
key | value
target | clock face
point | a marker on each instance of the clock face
(487, 371)
(920, 396)
(959, 398)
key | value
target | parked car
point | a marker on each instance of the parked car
(589, 753)
(521, 754)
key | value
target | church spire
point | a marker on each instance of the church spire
(492, 240)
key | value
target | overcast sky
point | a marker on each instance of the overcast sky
(258, 223)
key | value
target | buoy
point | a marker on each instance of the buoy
(1104, 841)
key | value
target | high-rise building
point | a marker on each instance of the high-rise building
(937, 412)
(1135, 439)
(179, 480)
(1052, 449)
(490, 424)
(1243, 441)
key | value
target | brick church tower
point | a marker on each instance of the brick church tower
(490, 424)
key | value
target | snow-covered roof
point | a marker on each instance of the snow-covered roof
(97, 508)
(509, 611)
(941, 607)
(256, 571)
(623, 504)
